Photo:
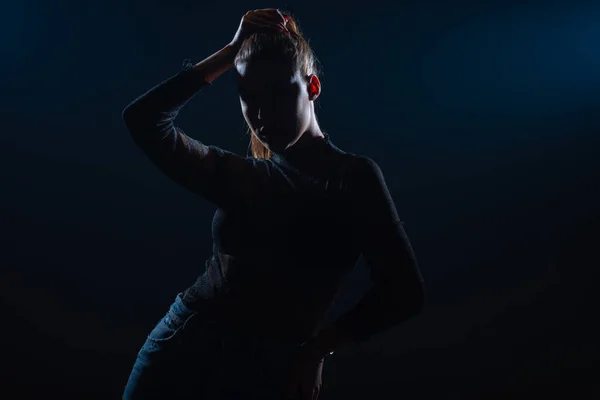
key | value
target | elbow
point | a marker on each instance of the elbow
(418, 299)
(126, 113)
(137, 120)
(141, 119)
(413, 299)
(130, 116)
(410, 299)
(413, 289)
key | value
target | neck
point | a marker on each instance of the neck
(314, 130)
(311, 136)
(308, 152)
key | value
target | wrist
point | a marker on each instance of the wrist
(217, 63)
(234, 46)
(327, 340)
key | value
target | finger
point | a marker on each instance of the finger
(270, 28)
(267, 20)
(268, 12)
(271, 13)
(283, 17)
(267, 27)
(315, 394)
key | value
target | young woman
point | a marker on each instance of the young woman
(291, 221)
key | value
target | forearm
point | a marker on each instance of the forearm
(396, 295)
(381, 309)
(150, 120)
(377, 311)
(160, 105)
(373, 314)
(218, 63)
(328, 340)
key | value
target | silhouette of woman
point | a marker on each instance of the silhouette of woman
(291, 221)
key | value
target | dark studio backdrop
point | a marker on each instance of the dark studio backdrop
(484, 119)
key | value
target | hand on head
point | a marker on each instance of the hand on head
(262, 20)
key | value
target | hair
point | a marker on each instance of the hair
(292, 48)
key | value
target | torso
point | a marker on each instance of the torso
(283, 257)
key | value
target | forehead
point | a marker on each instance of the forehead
(264, 71)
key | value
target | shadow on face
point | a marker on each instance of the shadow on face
(274, 101)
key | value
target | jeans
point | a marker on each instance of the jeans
(189, 356)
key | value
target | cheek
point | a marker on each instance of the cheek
(288, 113)
(303, 113)
(245, 113)
(297, 107)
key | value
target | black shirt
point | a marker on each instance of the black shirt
(286, 229)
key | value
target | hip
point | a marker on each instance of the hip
(190, 351)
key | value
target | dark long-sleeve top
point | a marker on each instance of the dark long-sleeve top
(286, 229)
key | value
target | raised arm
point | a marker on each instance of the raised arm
(150, 120)
(222, 177)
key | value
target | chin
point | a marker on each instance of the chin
(276, 148)
(275, 143)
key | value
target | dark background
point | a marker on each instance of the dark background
(484, 119)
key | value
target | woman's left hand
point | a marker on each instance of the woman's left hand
(305, 375)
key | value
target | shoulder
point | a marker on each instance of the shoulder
(364, 170)
(370, 194)
(229, 165)
(231, 157)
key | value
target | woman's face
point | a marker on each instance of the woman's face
(275, 102)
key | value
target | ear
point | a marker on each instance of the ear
(314, 87)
